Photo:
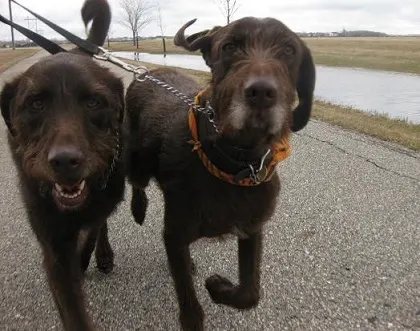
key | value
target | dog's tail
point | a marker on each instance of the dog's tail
(99, 12)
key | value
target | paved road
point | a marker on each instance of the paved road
(341, 252)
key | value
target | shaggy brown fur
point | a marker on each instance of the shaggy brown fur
(257, 66)
(64, 116)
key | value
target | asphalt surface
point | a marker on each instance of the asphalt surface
(341, 251)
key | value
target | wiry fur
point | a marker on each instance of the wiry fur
(67, 101)
(197, 204)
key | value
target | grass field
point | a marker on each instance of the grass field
(9, 57)
(153, 46)
(393, 54)
(375, 125)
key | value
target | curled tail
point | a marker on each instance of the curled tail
(99, 12)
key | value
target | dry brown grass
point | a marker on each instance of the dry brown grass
(393, 54)
(9, 57)
(375, 125)
(153, 46)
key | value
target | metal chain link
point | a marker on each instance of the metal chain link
(207, 110)
(139, 71)
(112, 166)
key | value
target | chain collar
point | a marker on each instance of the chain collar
(117, 154)
(252, 175)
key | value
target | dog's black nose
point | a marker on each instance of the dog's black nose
(66, 161)
(261, 93)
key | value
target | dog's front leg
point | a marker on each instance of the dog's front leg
(191, 314)
(245, 295)
(64, 273)
(103, 253)
(86, 245)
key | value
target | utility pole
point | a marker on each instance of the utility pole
(11, 28)
(31, 20)
(36, 23)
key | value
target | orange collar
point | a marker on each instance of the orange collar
(249, 176)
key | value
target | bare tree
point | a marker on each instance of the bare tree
(136, 16)
(160, 24)
(228, 8)
(110, 32)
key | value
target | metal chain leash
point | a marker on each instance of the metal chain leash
(207, 110)
(141, 75)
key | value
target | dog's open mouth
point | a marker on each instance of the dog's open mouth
(70, 196)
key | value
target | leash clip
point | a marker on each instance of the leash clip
(106, 55)
(258, 175)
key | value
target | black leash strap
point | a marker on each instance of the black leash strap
(86, 45)
(96, 51)
(41, 41)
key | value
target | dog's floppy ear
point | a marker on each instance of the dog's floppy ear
(205, 37)
(305, 90)
(6, 97)
(197, 41)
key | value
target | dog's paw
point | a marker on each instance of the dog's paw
(105, 267)
(192, 320)
(105, 264)
(223, 291)
(220, 289)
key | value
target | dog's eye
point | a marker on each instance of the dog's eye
(93, 102)
(229, 47)
(289, 50)
(38, 104)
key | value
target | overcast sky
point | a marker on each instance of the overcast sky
(389, 16)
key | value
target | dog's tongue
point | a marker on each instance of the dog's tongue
(71, 187)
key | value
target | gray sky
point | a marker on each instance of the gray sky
(389, 16)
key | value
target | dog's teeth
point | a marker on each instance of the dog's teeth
(58, 188)
(71, 195)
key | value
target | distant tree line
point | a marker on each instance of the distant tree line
(344, 33)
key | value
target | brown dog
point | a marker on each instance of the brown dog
(64, 116)
(219, 179)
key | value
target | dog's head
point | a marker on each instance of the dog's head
(257, 67)
(64, 115)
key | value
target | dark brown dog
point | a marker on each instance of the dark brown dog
(64, 116)
(257, 66)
